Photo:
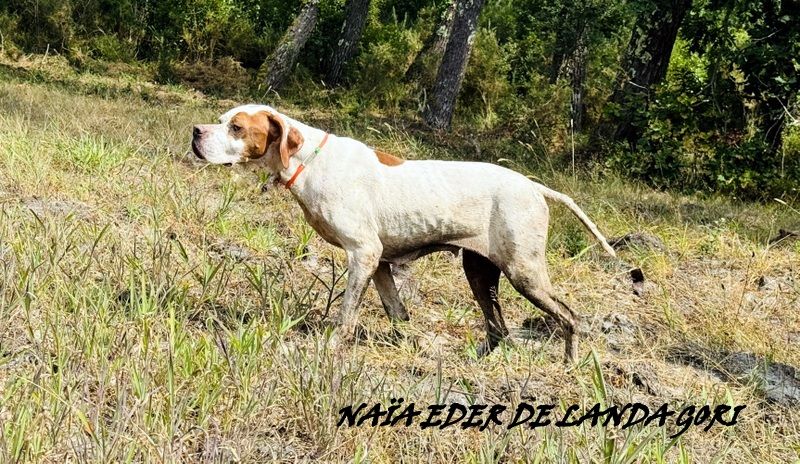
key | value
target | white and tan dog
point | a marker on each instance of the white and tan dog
(382, 210)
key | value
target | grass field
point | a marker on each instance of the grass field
(155, 310)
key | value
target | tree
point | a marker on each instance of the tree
(569, 58)
(770, 63)
(645, 63)
(280, 63)
(576, 69)
(435, 43)
(356, 12)
(751, 49)
(439, 112)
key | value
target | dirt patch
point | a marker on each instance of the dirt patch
(230, 250)
(46, 206)
(638, 240)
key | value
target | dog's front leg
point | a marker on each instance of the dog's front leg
(361, 265)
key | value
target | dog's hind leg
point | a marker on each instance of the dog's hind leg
(534, 284)
(384, 283)
(483, 277)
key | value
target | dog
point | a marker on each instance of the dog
(384, 210)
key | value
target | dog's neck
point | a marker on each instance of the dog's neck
(312, 139)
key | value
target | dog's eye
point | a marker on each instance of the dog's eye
(236, 128)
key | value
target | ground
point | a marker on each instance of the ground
(157, 310)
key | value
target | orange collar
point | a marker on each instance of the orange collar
(302, 166)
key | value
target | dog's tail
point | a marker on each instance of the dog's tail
(569, 203)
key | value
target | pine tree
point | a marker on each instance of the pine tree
(439, 111)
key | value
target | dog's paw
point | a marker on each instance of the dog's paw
(483, 349)
(486, 347)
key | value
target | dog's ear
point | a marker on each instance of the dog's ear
(290, 138)
(258, 133)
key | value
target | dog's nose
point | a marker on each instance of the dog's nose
(197, 132)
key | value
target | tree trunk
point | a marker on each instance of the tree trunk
(356, 12)
(435, 43)
(773, 120)
(439, 112)
(577, 77)
(569, 60)
(281, 62)
(557, 66)
(645, 63)
(563, 48)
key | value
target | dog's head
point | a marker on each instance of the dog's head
(246, 133)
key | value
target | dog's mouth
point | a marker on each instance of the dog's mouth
(197, 153)
(196, 150)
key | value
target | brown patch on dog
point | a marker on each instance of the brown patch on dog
(254, 131)
(387, 159)
(261, 130)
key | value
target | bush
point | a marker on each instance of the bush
(486, 94)
(41, 25)
(224, 77)
(388, 51)
(8, 32)
(111, 48)
(701, 137)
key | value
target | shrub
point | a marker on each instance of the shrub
(388, 51)
(224, 77)
(486, 94)
(111, 48)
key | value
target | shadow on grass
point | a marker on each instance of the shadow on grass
(779, 383)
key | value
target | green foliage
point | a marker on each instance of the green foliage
(388, 51)
(90, 154)
(486, 92)
(112, 48)
(721, 122)
(718, 123)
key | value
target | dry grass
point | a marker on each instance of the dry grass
(155, 311)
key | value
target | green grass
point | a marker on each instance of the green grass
(154, 310)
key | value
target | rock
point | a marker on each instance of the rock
(779, 382)
(631, 278)
(619, 330)
(637, 279)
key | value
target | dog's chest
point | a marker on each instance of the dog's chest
(320, 226)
